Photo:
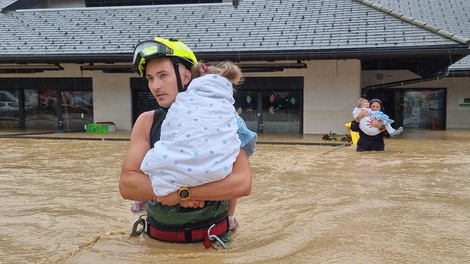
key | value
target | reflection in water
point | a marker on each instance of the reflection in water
(409, 204)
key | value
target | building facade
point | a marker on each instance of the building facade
(65, 64)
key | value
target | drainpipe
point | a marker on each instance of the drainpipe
(439, 75)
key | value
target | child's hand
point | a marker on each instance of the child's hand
(375, 123)
(364, 112)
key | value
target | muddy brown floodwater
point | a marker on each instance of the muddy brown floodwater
(309, 204)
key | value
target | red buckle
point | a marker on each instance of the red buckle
(187, 236)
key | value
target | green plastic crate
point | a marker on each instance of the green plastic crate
(97, 128)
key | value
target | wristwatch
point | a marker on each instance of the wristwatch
(184, 193)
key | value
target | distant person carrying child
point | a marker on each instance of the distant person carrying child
(363, 105)
(367, 142)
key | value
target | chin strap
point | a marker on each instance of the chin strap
(176, 64)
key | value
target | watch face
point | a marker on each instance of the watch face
(184, 194)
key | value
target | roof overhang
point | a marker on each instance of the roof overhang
(424, 61)
(422, 66)
(248, 67)
(29, 68)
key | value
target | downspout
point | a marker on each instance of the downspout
(435, 77)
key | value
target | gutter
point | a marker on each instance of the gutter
(247, 55)
(459, 73)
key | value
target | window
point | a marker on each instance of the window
(50, 104)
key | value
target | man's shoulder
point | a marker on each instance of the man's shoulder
(145, 116)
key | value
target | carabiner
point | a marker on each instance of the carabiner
(136, 231)
(214, 238)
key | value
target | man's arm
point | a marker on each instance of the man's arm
(376, 123)
(133, 184)
(235, 185)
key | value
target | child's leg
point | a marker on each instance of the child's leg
(233, 223)
(138, 207)
(393, 132)
(389, 128)
(232, 205)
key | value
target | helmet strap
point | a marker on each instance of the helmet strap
(176, 64)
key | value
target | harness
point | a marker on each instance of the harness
(182, 225)
(194, 234)
(208, 233)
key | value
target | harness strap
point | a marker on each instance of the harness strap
(176, 63)
(187, 236)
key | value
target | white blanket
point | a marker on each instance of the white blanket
(199, 141)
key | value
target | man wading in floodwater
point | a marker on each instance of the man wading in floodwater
(185, 215)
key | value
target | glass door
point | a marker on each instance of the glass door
(281, 111)
(51, 109)
(277, 111)
(420, 108)
(424, 109)
(46, 104)
(246, 104)
(271, 104)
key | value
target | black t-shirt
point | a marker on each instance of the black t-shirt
(366, 142)
(158, 117)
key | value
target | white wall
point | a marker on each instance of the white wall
(457, 117)
(331, 91)
(112, 98)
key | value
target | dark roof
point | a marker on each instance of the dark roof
(5, 3)
(451, 15)
(256, 30)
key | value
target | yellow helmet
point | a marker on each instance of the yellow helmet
(158, 48)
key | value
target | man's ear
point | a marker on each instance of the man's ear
(186, 76)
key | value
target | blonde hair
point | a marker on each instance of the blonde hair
(226, 69)
(361, 100)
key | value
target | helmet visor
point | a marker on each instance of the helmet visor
(146, 51)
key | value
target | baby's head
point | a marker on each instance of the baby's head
(363, 103)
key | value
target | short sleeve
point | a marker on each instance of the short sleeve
(247, 137)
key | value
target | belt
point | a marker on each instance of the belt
(187, 235)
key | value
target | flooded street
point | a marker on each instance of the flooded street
(309, 204)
